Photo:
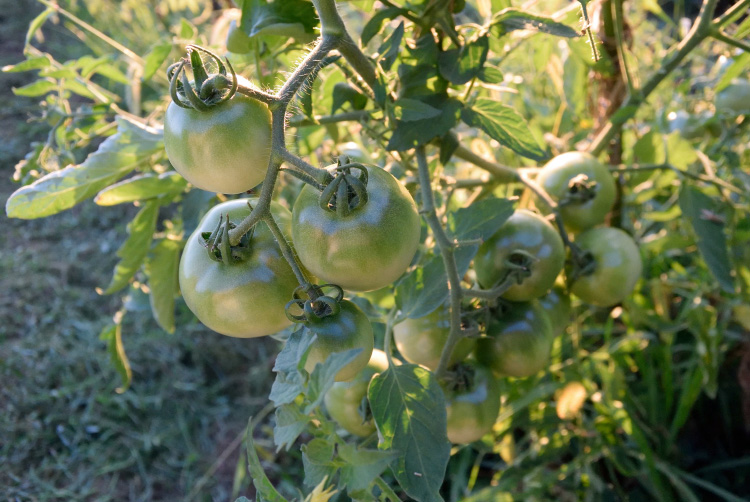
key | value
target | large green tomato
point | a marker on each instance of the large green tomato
(617, 267)
(556, 304)
(518, 341)
(578, 215)
(244, 298)
(472, 411)
(735, 98)
(421, 340)
(366, 250)
(225, 149)
(346, 402)
(348, 329)
(526, 232)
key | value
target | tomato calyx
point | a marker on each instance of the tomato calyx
(205, 90)
(582, 264)
(218, 247)
(460, 378)
(316, 306)
(346, 192)
(580, 190)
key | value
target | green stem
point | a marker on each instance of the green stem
(257, 94)
(287, 251)
(723, 37)
(701, 29)
(320, 175)
(387, 490)
(619, 22)
(326, 44)
(447, 248)
(332, 25)
(300, 121)
(734, 12)
(502, 174)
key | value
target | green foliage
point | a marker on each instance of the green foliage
(652, 375)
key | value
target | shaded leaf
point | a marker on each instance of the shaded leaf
(112, 334)
(133, 251)
(409, 411)
(374, 25)
(141, 187)
(391, 47)
(317, 459)
(409, 110)
(117, 155)
(701, 211)
(260, 480)
(290, 422)
(464, 63)
(505, 125)
(407, 135)
(324, 374)
(508, 20)
(362, 465)
(161, 269)
(479, 220)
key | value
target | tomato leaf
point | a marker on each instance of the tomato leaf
(391, 47)
(508, 20)
(161, 269)
(505, 125)
(375, 24)
(423, 290)
(142, 187)
(322, 377)
(706, 219)
(133, 251)
(290, 422)
(409, 110)
(36, 88)
(112, 334)
(317, 459)
(738, 68)
(289, 382)
(154, 59)
(418, 132)
(260, 480)
(362, 465)
(480, 220)
(460, 65)
(408, 407)
(288, 18)
(133, 144)
(33, 63)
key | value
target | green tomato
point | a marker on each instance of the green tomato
(617, 267)
(366, 250)
(245, 298)
(556, 304)
(348, 329)
(347, 403)
(473, 411)
(518, 341)
(526, 232)
(577, 214)
(421, 340)
(237, 40)
(734, 99)
(225, 149)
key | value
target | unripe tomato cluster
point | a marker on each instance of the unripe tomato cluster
(244, 290)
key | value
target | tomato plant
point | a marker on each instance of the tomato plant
(421, 340)
(518, 341)
(366, 250)
(224, 149)
(582, 186)
(245, 297)
(614, 271)
(528, 245)
(346, 330)
(435, 119)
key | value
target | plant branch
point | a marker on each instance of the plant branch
(332, 25)
(723, 37)
(732, 13)
(501, 173)
(447, 248)
(287, 251)
(308, 66)
(300, 121)
(322, 176)
(701, 29)
(256, 94)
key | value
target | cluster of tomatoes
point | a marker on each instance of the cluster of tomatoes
(360, 233)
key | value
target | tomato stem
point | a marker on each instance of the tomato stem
(288, 253)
